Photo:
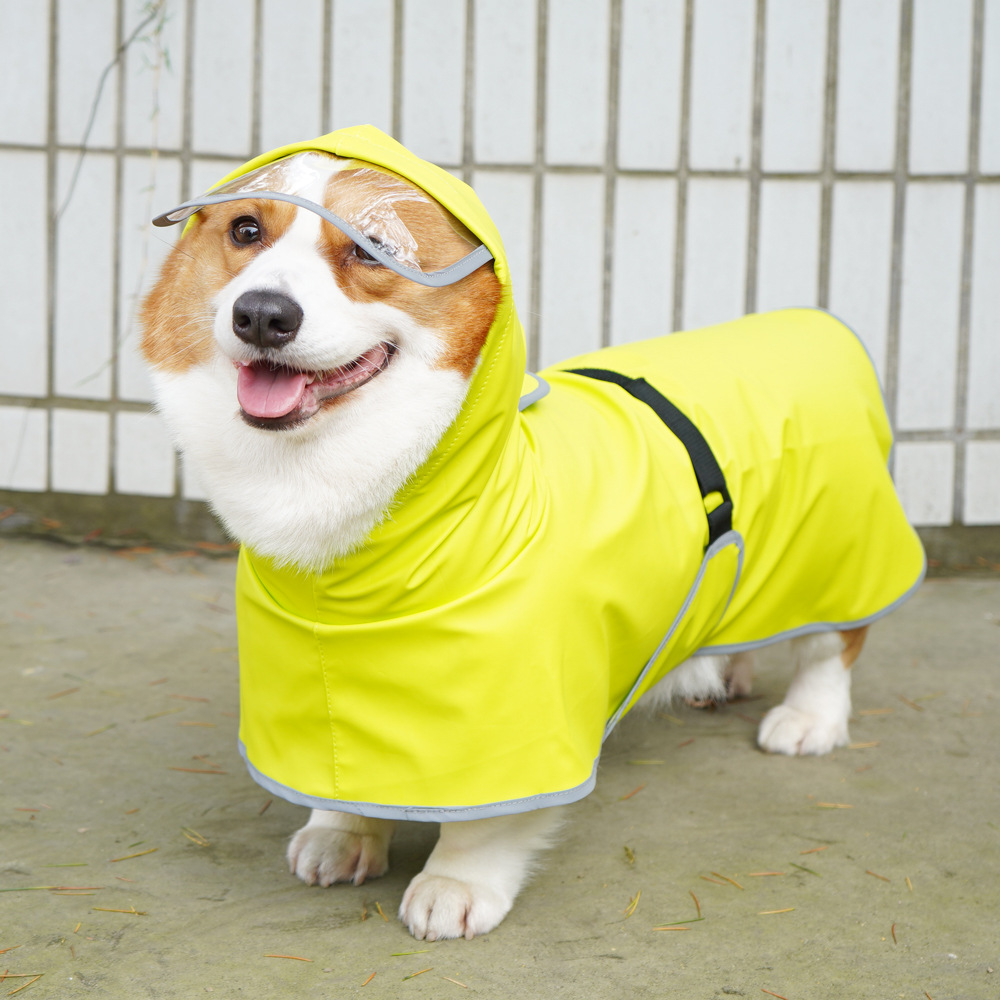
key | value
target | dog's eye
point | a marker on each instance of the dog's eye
(244, 231)
(362, 254)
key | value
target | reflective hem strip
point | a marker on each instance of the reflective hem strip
(731, 537)
(433, 279)
(795, 633)
(423, 814)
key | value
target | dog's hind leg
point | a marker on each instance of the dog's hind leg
(474, 873)
(813, 717)
(340, 847)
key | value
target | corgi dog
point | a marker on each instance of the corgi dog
(322, 367)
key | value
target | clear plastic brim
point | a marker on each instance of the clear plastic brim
(373, 221)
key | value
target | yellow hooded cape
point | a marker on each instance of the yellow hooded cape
(546, 567)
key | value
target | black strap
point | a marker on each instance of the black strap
(706, 469)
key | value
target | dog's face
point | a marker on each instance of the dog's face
(280, 346)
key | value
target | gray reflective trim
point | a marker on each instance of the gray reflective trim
(794, 633)
(424, 814)
(731, 537)
(540, 390)
(433, 279)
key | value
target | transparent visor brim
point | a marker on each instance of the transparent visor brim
(433, 279)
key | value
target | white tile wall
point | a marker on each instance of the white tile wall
(722, 84)
(652, 61)
(572, 266)
(24, 71)
(154, 75)
(923, 473)
(87, 43)
(222, 77)
(505, 57)
(509, 198)
(80, 451)
(147, 190)
(982, 483)
(642, 289)
(434, 80)
(144, 457)
(24, 371)
(716, 242)
(576, 81)
(989, 135)
(867, 71)
(932, 271)
(84, 277)
(23, 448)
(788, 263)
(941, 75)
(983, 405)
(609, 237)
(291, 72)
(860, 262)
(361, 52)
(794, 85)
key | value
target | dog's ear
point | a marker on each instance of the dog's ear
(177, 314)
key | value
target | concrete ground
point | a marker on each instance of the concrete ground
(870, 873)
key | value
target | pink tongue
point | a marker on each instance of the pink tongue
(266, 392)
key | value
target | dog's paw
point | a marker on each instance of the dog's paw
(321, 856)
(792, 731)
(436, 907)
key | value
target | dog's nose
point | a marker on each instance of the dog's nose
(267, 319)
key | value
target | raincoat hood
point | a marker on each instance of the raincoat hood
(546, 566)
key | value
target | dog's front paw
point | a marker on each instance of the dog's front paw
(321, 855)
(436, 907)
(793, 731)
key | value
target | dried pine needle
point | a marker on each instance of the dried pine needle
(833, 805)
(764, 913)
(911, 704)
(770, 994)
(632, 904)
(762, 874)
(265, 807)
(126, 857)
(816, 850)
(802, 868)
(893, 930)
(714, 881)
(676, 925)
(297, 958)
(133, 911)
(455, 981)
(26, 985)
(863, 746)
(413, 975)
(635, 791)
(629, 855)
(197, 770)
(697, 905)
(378, 906)
(868, 871)
(369, 979)
(195, 837)
(909, 884)
(401, 954)
(731, 881)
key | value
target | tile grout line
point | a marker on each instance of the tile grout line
(901, 165)
(682, 172)
(326, 69)
(398, 56)
(538, 177)
(968, 230)
(469, 93)
(51, 276)
(116, 252)
(611, 165)
(828, 170)
(756, 144)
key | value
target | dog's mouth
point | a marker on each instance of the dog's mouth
(276, 397)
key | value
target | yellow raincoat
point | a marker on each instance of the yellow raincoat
(545, 567)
